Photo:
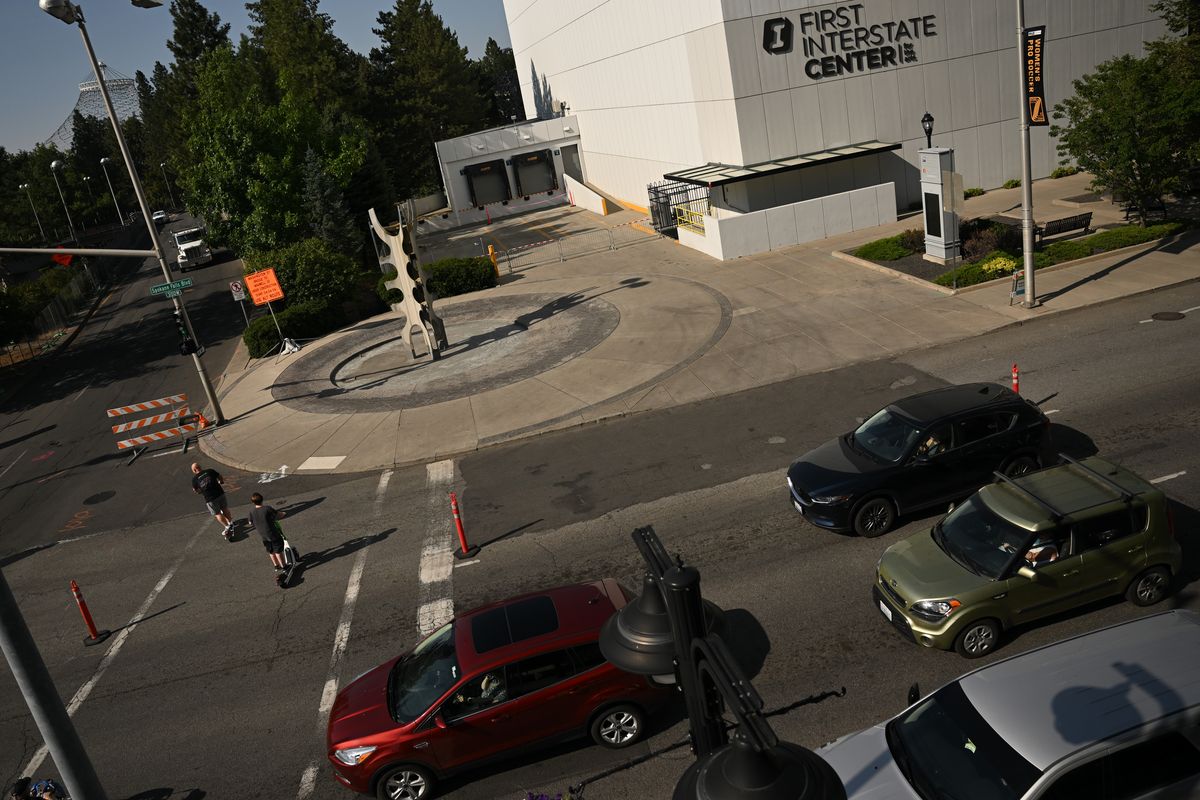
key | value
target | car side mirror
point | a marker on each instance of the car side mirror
(440, 721)
(914, 694)
(1028, 572)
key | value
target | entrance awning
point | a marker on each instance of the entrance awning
(713, 174)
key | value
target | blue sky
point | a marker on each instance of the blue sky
(42, 61)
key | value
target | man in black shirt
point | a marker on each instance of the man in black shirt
(265, 520)
(208, 482)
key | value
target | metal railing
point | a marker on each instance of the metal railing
(691, 215)
(51, 323)
(573, 245)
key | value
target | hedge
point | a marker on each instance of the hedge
(451, 276)
(889, 249)
(304, 320)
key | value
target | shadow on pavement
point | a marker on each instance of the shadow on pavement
(131, 623)
(165, 793)
(747, 640)
(311, 560)
(1072, 442)
(300, 506)
(26, 553)
(23, 437)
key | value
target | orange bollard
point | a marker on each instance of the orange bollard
(464, 551)
(94, 636)
(1016, 376)
(200, 418)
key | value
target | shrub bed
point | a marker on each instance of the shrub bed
(889, 249)
(307, 319)
(978, 271)
(453, 276)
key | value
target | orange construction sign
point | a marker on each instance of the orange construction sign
(264, 286)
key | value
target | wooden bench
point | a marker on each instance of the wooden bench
(1056, 226)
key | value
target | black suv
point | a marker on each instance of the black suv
(921, 451)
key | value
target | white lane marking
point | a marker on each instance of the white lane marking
(384, 478)
(1190, 310)
(268, 477)
(341, 638)
(14, 463)
(162, 453)
(1172, 476)
(322, 462)
(81, 391)
(1052, 411)
(435, 605)
(466, 563)
(115, 647)
(1144, 321)
(308, 781)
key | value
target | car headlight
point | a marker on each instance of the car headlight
(935, 610)
(831, 499)
(353, 755)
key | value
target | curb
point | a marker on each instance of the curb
(895, 273)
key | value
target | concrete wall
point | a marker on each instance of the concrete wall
(583, 197)
(728, 234)
(664, 85)
(501, 143)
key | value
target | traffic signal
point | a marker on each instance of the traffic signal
(187, 344)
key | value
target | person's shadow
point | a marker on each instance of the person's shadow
(321, 557)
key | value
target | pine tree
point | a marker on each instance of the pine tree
(328, 216)
(424, 90)
(499, 85)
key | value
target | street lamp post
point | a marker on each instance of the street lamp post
(38, 219)
(927, 124)
(104, 162)
(87, 181)
(55, 166)
(68, 12)
(666, 630)
(171, 194)
(1027, 227)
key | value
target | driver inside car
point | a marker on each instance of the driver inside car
(1042, 552)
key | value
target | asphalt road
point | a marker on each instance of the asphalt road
(217, 690)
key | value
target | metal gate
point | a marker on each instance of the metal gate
(675, 204)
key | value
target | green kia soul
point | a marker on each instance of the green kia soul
(1024, 548)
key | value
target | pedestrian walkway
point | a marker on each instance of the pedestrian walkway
(644, 328)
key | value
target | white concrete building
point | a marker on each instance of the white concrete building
(698, 90)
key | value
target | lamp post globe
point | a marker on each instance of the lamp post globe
(739, 770)
(927, 125)
(638, 638)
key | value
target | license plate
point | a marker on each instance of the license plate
(799, 507)
(887, 612)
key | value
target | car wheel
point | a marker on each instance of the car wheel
(617, 727)
(978, 639)
(407, 782)
(1020, 466)
(874, 517)
(1149, 587)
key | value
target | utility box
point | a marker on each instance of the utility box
(941, 196)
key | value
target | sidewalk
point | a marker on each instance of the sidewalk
(650, 326)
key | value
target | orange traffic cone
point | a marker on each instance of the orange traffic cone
(204, 423)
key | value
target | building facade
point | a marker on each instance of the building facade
(685, 90)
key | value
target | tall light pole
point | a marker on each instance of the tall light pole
(28, 193)
(1026, 168)
(163, 167)
(55, 166)
(70, 13)
(104, 162)
(87, 181)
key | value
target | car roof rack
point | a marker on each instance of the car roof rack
(1124, 493)
(1046, 504)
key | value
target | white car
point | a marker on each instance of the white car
(159, 217)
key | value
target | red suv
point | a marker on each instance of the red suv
(491, 681)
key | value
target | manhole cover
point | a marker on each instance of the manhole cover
(99, 497)
(1166, 316)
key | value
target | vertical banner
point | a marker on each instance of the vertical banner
(1035, 97)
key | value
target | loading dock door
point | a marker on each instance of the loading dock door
(534, 172)
(488, 182)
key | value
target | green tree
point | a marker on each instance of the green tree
(499, 85)
(328, 217)
(1116, 127)
(1179, 56)
(196, 33)
(424, 89)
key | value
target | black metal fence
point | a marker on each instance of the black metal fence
(675, 204)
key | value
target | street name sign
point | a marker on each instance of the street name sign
(173, 286)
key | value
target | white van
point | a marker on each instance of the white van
(1108, 715)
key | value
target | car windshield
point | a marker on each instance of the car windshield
(947, 751)
(886, 436)
(973, 535)
(188, 236)
(419, 679)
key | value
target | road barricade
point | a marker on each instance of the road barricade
(176, 406)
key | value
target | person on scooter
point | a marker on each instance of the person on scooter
(265, 520)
